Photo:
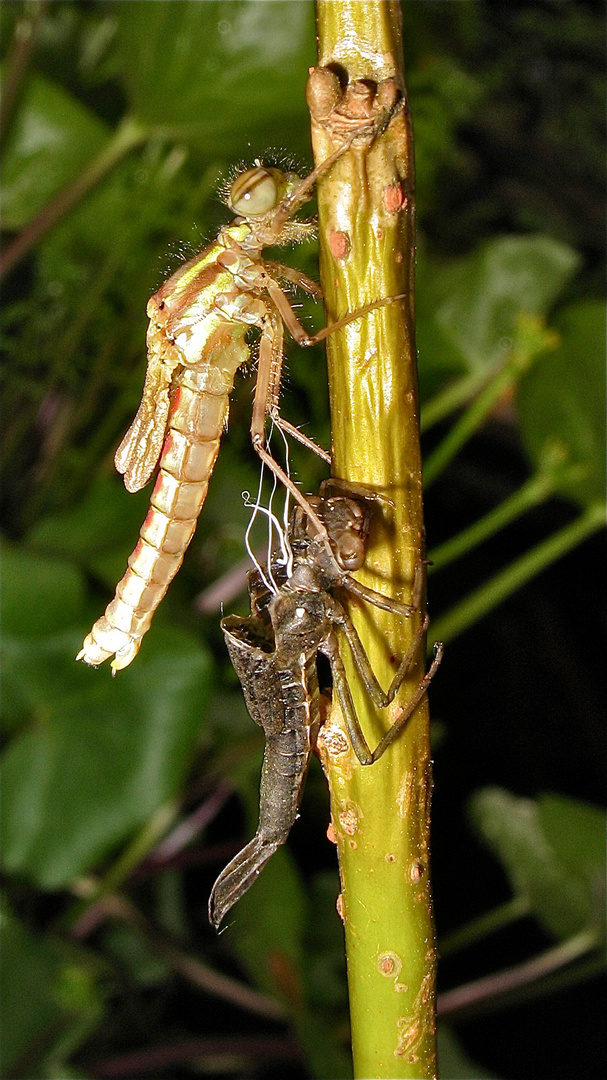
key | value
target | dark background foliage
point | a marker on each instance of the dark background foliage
(508, 107)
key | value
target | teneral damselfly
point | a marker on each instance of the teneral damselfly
(196, 342)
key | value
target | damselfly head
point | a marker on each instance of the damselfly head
(259, 190)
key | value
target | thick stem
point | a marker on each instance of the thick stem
(381, 812)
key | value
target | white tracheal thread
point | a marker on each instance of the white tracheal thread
(273, 523)
(288, 561)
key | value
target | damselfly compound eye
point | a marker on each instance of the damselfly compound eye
(253, 193)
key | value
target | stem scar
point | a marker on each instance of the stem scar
(339, 244)
(394, 198)
(348, 819)
(333, 740)
(339, 907)
(389, 964)
(417, 871)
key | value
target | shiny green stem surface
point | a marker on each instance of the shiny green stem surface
(380, 813)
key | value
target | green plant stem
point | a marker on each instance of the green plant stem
(538, 488)
(127, 136)
(489, 595)
(475, 414)
(453, 397)
(380, 813)
(485, 924)
(131, 857)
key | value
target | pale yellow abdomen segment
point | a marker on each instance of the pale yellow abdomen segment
(198, 416)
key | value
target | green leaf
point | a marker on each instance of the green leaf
(577, 833)
(204, 70)
(550, 849)
(470, 307)
(40, 595)
(51, 141)
(561, 402)
(102, 755)
(50, 998)
(99, 532)
(111, 243)
(135, 954)
(37, 675)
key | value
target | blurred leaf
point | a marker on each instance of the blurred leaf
(442, 96)
(325, 966)
(440, 358)
(139, 204)
(99, 532)
(561, 401)
(53, 138)
(553, 851)
(204, 71)
(102, 755)
(134, 953)
(577, 832)
(50, 997)
(470, 306)
(39, 595)
(324, 1031)
(60, 1070)
(37, 675)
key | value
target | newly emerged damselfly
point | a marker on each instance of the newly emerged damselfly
(196, 342)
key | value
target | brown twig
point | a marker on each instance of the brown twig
(18, 60)
(117, 906)
(492, 989)
(247, 1049)
(128, 135)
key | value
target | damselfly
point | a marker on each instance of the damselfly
(196, 342)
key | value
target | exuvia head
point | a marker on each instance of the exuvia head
(350, 551)
(347, 522)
